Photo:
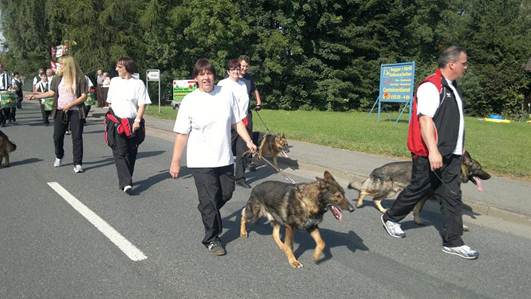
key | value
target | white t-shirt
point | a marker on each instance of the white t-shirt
(239, 89)
(207, 119)
(125, 95)
(428, 102)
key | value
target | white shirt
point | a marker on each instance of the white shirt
(239, 89)
(5, 80)
(428, 102)
(125, 95)
(207, 119)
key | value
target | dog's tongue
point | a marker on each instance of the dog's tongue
(336, 212)
(479, 184)
(284, 154)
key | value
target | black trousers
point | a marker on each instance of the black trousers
(45, 114)
(238, 149)
(62, 121)
(124, 152)
(423, 183)
(8, 114)
(214, 188)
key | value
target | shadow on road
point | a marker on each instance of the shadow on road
(22, 162)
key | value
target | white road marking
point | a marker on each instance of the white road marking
(106, 229)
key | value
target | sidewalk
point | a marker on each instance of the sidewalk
(505, 198)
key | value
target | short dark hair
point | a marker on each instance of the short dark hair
(233, 64)
(128, 63)
(450, 54)
(201, 65)
(245, 58)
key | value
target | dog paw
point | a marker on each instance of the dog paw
(466, 228)
(359, 205)
(316, 257)
(244, 235)
(296, 264)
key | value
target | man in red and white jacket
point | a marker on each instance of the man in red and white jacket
(436, 142)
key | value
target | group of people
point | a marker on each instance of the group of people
(214, 124)
(68, 91)
(213, 116)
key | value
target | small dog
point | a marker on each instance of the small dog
(271, 145)
(6, 147)
(299, 206)
(390, 179)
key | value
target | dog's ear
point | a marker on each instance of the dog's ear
(328, 176)
(283, 135)
(321, 183)
(467, 159)
(483, 174)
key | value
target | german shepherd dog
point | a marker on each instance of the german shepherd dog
(295, 206)
(271, 146)
(390, 179)
(6, 147)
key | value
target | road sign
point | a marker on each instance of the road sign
(153, 75)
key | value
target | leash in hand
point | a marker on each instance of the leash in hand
(443, 182)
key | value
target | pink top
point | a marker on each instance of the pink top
(66, 96)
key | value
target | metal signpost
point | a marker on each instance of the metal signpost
(153, 75)
(397, 82)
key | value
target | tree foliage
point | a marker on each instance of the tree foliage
(306, 54)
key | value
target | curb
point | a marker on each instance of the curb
(310, 170)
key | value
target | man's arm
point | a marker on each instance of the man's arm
(427, 131)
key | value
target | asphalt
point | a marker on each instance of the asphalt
(505, 198)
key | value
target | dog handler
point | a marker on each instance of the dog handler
(436, 142)
(239, 89)
(203, 125)
(127, 98)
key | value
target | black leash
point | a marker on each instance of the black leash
(444, 183)
(278, 170)
(263, 122)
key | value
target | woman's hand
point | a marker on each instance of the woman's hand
(174, 169)
(136, 125)
(251, 146)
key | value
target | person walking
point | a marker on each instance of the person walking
(69, 89)
(17, 84)
(46, 104)
(436, 143)
(239, 89)
(127, 98)
(203, 126)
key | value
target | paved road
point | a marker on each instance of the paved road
(49, 250)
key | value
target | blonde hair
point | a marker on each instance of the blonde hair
(70, 71)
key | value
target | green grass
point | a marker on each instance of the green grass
(501, 148)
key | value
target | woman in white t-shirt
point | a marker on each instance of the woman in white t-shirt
(203, 125)
(239, 90)
(127, 98)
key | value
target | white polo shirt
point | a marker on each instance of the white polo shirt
(125, 95)
(207, 118)
(239, 89)
(428, 102)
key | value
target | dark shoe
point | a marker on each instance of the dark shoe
(128, 189)
(216, 248)
(242, 183)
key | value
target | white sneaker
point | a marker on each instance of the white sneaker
(393, 228)
(57, 162)
(78, 168)
(462, 251)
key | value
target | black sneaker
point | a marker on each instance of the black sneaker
(242, 183)
(216, 248)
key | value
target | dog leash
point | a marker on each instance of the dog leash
(263, 122)
(278, 170)
(444, 183)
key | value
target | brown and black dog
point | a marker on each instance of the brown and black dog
(6, 147)
(295, 206)
(271, 146)
(390, 179)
